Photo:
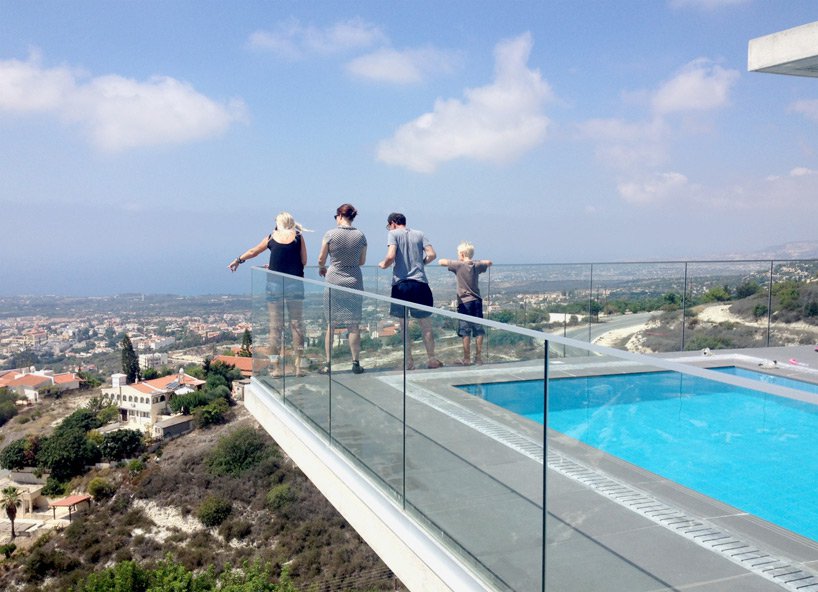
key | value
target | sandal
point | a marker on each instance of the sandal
(323, 370)
(434, 363)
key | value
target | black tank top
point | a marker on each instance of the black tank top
(286, 258)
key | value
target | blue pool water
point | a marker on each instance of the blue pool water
(751, 450)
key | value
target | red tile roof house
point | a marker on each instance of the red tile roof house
(245, 365)
(31, 384)
(143, 404)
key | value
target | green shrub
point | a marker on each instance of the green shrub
(135, 467)
(280, 496)
(8, 549)
(214, 510)
(238, 451)
(53, 487)
(212, 413)
(100, 488)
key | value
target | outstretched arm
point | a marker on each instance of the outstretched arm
(248, 254)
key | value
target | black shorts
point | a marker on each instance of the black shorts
(411, 291)
(473, 308)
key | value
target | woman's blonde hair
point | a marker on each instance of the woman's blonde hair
(466, 248)
(285, 221)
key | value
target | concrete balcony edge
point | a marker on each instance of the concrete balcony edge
(419, 561)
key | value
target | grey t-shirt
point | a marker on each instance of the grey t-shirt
(467, 273)
(411, 245)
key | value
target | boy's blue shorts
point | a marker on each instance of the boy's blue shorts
(473, 308)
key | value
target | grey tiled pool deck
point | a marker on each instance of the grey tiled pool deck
(474, 471)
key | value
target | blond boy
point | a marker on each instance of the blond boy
(469, 301)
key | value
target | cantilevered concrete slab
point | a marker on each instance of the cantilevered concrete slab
(793, 52)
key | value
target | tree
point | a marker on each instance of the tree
(83, 419)
(66, 454)
(11, 500)
(130, 362)
(227, 371)
(121, 444)
(246, 343)
(747, 289)
(7, 407)
(20, 453)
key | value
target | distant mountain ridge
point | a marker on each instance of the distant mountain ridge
(792, 250)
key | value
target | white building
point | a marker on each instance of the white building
(143, 404)
(154, 360)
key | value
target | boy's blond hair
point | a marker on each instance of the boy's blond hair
(466, 248)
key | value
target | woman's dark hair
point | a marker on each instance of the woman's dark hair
(347, 211)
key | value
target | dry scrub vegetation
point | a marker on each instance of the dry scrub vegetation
(259, 506)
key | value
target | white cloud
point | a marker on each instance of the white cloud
(636, 149)
(700, 86)
(28, 87)
(117, 113)
(627, 145)
(801, 172)
(292, 40)
(653, 188)
(494, 123)
(705, 4)
(408, 66)
(807, 108)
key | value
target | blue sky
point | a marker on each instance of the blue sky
(145, 144)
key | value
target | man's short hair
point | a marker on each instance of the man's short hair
(397, 218)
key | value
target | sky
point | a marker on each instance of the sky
(144, 145)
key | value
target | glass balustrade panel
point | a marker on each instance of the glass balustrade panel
(474, 473)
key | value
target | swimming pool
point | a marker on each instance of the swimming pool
(751, 450)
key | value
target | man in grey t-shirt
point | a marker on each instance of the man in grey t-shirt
(410, 251)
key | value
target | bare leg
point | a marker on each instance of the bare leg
(276, 341)
(296, 310)
(354, 341)
(429, 341)
(466, 350)
(328, 342)
(478, 354)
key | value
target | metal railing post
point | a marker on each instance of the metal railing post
(545, 455)
(406, 345)
(590, 303)
(684, 308)
(770, 304)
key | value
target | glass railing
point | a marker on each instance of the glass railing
(642, 453)
(648, 307)
(395, 424)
